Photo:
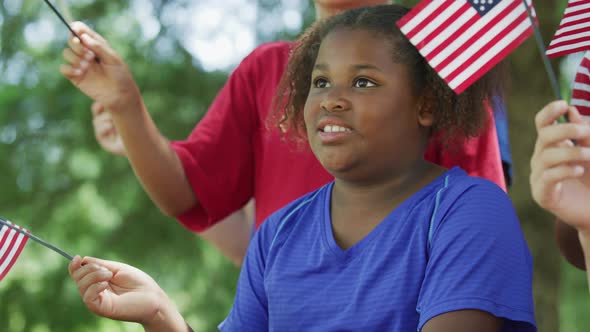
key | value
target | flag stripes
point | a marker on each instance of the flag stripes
(573, 33)
(581, 87)
(462, 40)
(11, 244)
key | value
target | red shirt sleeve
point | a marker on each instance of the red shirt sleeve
(217, 157)
(479, 156)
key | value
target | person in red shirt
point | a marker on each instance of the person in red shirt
(232, 155)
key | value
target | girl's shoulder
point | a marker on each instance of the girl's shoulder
(308, 205)
(456, 184)
(472, 202)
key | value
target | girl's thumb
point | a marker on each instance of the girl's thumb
(99, 48)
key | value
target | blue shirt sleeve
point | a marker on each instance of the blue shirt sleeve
(250, 309)
(478, 258)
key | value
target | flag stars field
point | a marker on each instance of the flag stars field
(462, 39)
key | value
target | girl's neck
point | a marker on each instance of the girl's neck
(384, 194)
(356, 209)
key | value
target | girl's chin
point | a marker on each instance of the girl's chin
(337, 166)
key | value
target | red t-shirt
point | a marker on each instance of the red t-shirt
(232, 156)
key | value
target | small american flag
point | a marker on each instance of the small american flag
(12, 243)
(573, 33)
(463, 39)
(581, 88)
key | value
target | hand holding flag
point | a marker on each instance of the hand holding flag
(109, 82)
(60, 16)
(120, 291)
(560, 180)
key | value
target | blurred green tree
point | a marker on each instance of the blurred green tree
(59, 183)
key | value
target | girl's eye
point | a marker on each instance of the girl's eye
(364, 83)
(321, 83)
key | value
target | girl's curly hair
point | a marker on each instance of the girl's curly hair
(457, 116)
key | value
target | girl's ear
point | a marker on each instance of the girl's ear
(425, 113)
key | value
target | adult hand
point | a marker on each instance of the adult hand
(117, 291)
(107, 80)
(105, 131)
(560, 173)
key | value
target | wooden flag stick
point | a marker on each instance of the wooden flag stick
(65, 10)
(62, 18)
(548, 68)
(34, 238)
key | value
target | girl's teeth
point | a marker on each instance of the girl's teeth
(335, 129)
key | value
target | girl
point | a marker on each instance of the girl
(394, 243)
(230, 157)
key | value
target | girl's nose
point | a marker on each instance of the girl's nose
(335, 101)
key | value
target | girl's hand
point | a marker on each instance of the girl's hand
(118, 291)
(105, 131)
(106, 80)
(560, 172)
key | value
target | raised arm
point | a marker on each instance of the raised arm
(110, 82)
(230, 236)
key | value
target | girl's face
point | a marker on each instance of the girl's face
(363, 119)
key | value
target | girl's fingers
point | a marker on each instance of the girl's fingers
(558, 133)
(93, 292)
(103, 129)
(96, 275)
(82, 28)
(550, 113)
(103, 117)
(100, 48)
(555, 175)
(76, 46)
(575, 117)
(74, 265)
(557, 156)
(70, 72)
(546, 191)
(113, 266)
(84, 270)
(96, 108)
(74, 60)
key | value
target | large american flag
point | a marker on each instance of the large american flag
(573, 33)
(581, 88)
(463, 39)
(12, 243)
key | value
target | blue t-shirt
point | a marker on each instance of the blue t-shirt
(455, 244)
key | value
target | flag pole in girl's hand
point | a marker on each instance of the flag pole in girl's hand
(541, 46)
(66, 23)
(61, 18)
(548, 68)
(36, 239)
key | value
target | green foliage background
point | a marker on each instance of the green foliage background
(56, 181)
